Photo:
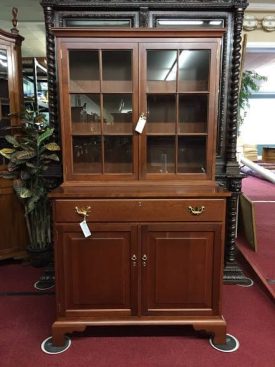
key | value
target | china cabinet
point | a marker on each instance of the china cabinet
(149, 164)
(13, 229)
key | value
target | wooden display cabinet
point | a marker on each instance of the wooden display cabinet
(162, 203)
(156, 214)
(13, 228)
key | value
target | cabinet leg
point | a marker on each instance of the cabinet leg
(217, 329)
(58, 336)
(60, 328)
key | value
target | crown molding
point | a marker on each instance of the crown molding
(265, 7)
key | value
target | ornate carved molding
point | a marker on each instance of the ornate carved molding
(231, 143)
(150, 3)
(50, 41)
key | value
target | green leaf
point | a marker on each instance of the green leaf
(7, 175)
(53, 157)
(12, 140)
(30, 165)
(24, 193)
(25, 154)
(45, 135)
(53, 147)
(6, 152)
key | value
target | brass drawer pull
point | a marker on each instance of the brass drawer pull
(197, 210)
(85, 211)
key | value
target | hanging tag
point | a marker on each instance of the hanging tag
(141, 123)
(85, 229)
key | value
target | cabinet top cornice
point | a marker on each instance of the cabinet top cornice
(60, 4)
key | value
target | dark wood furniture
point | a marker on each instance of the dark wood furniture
(13, 229)
(161, 202)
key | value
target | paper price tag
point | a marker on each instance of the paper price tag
(140, 124)
(85, 228)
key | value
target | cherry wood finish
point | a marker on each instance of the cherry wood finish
(155, 254)
(11, 44)
(13, 238)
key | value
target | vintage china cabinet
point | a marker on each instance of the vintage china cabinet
(13, 229)
(148, 164)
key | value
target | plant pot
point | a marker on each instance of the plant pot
(39, 257)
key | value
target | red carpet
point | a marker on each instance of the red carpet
(18, 277)
(262, 193)
(26, 322)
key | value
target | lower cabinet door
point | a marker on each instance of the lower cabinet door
(181, 269)
(96, 276)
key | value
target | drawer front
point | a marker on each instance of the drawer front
(144, 210)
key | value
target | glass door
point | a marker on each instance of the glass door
(102, 84)
(178, 99)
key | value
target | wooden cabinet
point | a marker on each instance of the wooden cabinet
(13, 228)
(146, 261)
(147, 110)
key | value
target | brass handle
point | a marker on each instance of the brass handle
(198, 210)
(134, 258)
(144, 260)
(85, 211)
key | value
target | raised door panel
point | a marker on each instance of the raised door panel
(181, 272)
(14, 236)
(96, 275)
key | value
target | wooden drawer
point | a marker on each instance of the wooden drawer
(144, 210)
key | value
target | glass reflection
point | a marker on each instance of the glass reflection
(161, 65)
(87, 154)
(117, 65)
(193, 113)
(84, 65)
(85, 113)
(160, 154)
(118, 154)
(161, 108)
(117, 113)
(194, 69)
(192, 155)
(4, 88)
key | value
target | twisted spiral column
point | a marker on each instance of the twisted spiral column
(52, 86)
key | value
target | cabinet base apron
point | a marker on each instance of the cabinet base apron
(212, 325)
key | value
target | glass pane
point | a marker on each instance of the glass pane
(84, 70)
(192, 154)
(96, 23)
(161, 71)
(117, 113)
(193, 70)
(192, 113)
(87, 154)
(85, 113)
(161, 113)
(188, 23)
(262, 61)
(4, 88)
(118, 154)
(161, 65)
(117, 65)
(161, 154)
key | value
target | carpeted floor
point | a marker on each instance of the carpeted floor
(26, 321)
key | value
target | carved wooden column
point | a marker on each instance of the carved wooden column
(232, 272)
(52, 87)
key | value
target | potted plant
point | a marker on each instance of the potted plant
(250, 83)
(29, 154)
